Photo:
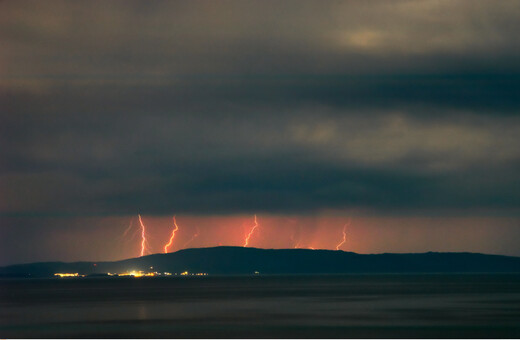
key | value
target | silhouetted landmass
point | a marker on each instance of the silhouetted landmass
(246, 261)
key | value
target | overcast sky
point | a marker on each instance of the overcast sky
(394, 109)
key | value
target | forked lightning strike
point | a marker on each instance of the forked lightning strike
(344, 235)
(144, 242)
(250, 233)
(172, 237)
(143, 235)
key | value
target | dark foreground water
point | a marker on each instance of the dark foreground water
(264, 306)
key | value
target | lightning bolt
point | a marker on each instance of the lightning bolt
(293, 236)
(134, 234)
(143, 235)
(344, 235)
(172, 237)
(250, 233)
(128, 229)
(193, 237)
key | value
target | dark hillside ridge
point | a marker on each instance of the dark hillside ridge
(245, 261)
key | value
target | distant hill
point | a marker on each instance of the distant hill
(245, 261)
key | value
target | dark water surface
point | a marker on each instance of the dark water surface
(465, 305)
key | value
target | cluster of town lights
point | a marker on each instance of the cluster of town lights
(68, 275)
(135, 273)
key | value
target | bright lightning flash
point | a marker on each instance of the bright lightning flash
(143, 235)
(250, 233)
(172, 237)
(344, 235)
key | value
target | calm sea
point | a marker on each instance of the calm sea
(465, 305)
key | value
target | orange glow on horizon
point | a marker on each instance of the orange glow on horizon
(365, 235)
(143, 236)
(172, 237)
(250, 233)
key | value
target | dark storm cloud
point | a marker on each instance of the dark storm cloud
(240, 106)
(259, 37)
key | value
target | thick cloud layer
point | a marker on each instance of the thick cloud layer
(407, 107)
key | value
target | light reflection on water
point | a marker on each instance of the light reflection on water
(291, 306)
